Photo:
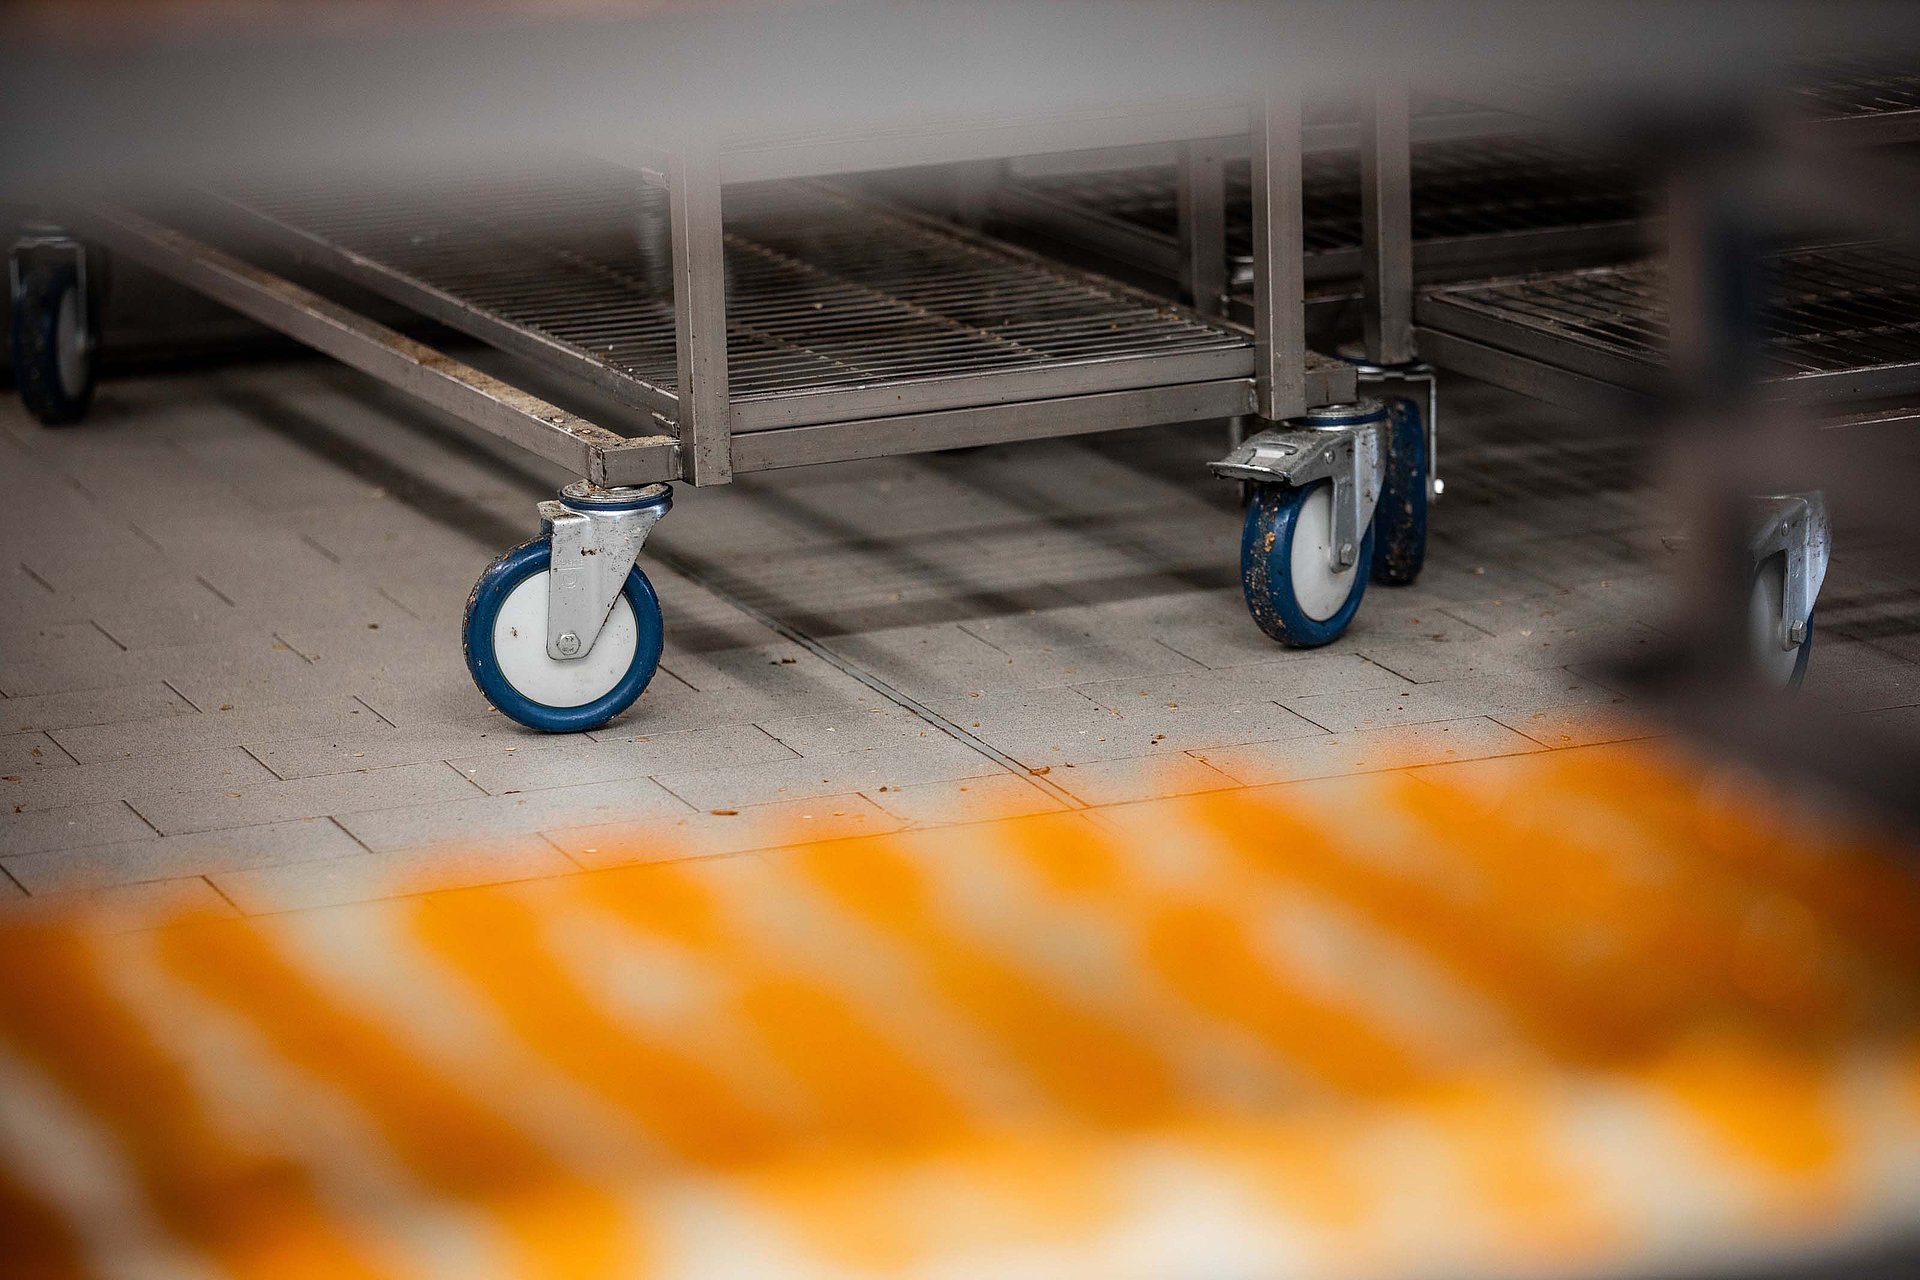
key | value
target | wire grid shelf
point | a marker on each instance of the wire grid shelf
(1461, 189)
(1829, 310)
(1852, 88)
(825, 291)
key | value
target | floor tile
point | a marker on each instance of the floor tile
(223, 768)
(22, 752)
(1449, 700)
(79, 708)
(196, 854)
(706, 833)
(613, 759)
(330, 882)
(75, 826)
(1366, 751)
(125, 907)
(1123, 780)
(483, 818)
(980, 799)
(278, 800)
(740, 785)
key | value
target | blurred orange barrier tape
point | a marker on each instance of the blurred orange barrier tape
(1565, 1012)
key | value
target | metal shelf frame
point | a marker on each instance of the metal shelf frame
(1856, 101)
(1843, 329)
(602, 456)
(1842, 332)
(1482, 207)
(1850, 101)
(750, 319)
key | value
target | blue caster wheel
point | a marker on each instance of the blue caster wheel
(1292, 588)
(506, 643)
(1400, 520)
(53, 351)
(1779, 667)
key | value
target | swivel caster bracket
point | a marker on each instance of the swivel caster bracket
(1368, 372)
(1342, 443)
(597, 535)
(36, 239)
(1796, 527)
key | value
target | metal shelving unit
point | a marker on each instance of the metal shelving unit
(1858, 101)
(1842, 328)
(852, 328)
(1831, 100)
(790, 322)
(839, 310)
(1481, 206)
(1488, 199)
(1808, 333)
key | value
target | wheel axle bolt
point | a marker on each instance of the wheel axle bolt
(1797, 633)
(1346, 553)
(568, 644)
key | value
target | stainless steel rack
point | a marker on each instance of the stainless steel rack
(1834, 100)
(806, 324)
(853, 329)
(1842, 328)
(791, 322)
(1489, 199)
(1481, 206)
(1859, 101)
(838, 308)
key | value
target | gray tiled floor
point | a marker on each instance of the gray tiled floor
(230, 671)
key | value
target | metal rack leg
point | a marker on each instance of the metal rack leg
(700, 316)
(1386, 255)
(1202, 192)
(1386, 226)
(1279, 285)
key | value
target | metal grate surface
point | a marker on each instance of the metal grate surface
(1833, 310)
(1836, 88)
(825, 291)
(1461, 189)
